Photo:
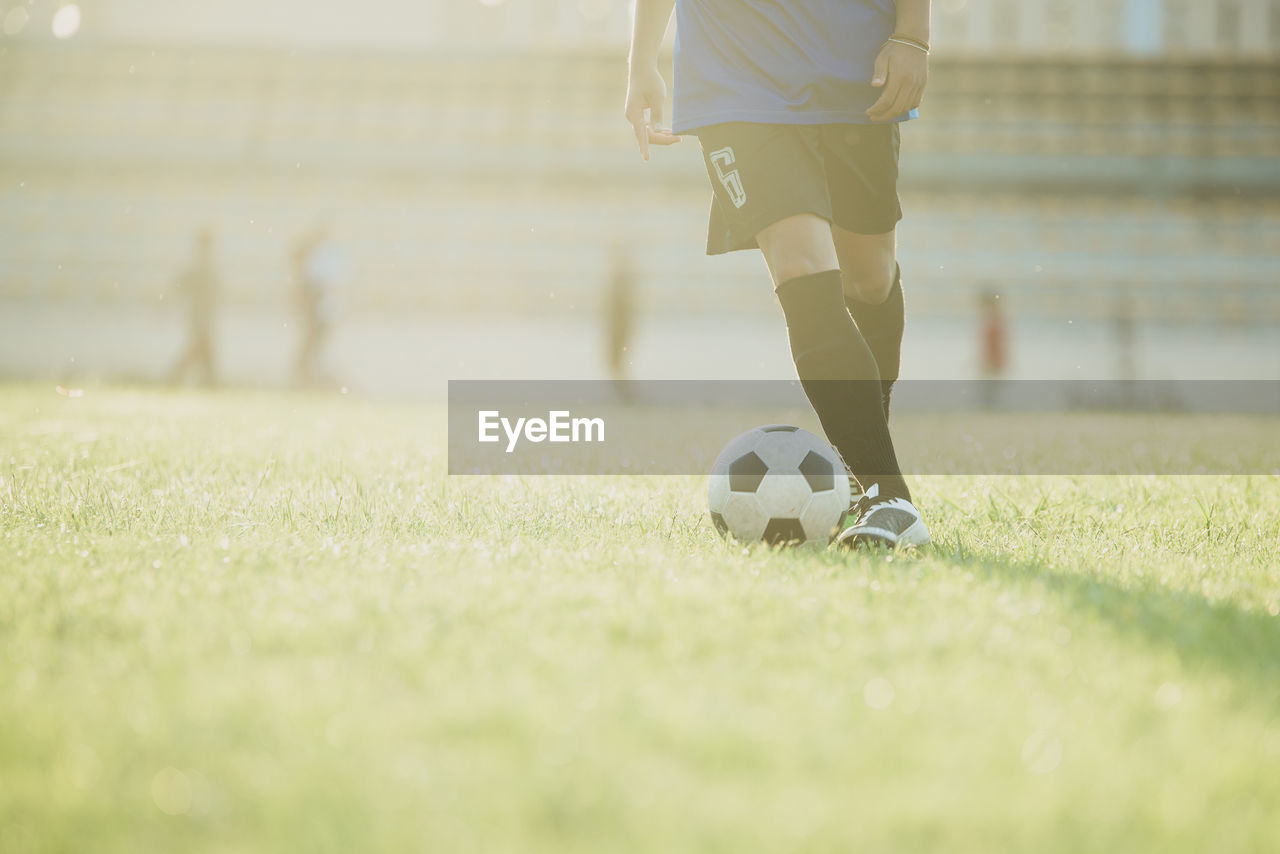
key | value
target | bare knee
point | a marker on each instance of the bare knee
(868, 264)
(869, 283)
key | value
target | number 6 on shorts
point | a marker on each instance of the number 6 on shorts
(721, 159)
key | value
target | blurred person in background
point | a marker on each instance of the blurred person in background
(993, 347)
(796, 105)
(1124, 336)
(198, 285)
(619, 317)
(319, 267)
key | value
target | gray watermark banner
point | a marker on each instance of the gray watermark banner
(660, 427)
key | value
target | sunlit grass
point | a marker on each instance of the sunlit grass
(260, 622)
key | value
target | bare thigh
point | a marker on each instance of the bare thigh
(868, 263)
(799, 245)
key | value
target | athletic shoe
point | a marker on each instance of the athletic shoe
(889, 522)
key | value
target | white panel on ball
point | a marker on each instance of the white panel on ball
(744, 517)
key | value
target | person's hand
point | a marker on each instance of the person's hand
(901, 73)
(646, 92)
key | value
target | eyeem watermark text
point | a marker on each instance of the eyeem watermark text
(558, 426)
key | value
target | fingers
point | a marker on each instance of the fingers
(910, 98)
(917, 94)
(659, 135)
(877, 110)
(881, 73)
(900, 96)
(888, 105)
(643, 123)
(636, 117)
(662, 136)
(906, 100)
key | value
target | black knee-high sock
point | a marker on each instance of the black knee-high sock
(840, 377)
(881, 327)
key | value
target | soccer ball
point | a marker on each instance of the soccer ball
(779, 484)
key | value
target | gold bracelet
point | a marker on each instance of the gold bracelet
(898, 38)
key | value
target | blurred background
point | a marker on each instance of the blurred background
(387, 194)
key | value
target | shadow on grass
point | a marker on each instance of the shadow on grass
(1218, 635)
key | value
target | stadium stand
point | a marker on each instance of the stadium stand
(1059, 182)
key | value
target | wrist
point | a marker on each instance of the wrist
(913, 26)
(908, 41)
(637, 68)
(641, 57)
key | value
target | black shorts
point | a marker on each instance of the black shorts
(760, 174)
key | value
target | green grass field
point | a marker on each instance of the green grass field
(251, 622)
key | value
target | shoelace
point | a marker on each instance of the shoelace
(866, 501)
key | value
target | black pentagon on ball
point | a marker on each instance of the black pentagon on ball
(780, 531)
(818, 470)
(746, 472)
(722, 527)
(778, 428)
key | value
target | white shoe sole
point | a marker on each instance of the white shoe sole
(917, 535)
